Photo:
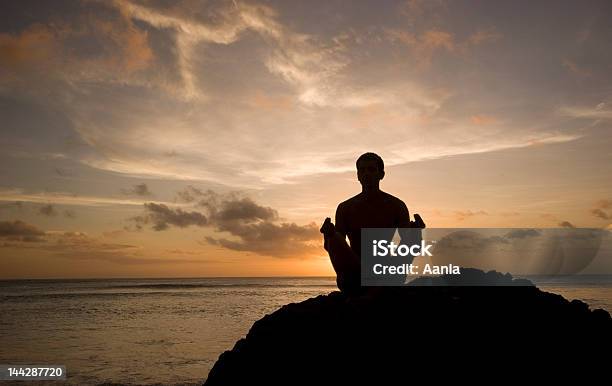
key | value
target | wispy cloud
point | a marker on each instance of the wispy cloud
(162, 68)
(64, 198)
(602, 110)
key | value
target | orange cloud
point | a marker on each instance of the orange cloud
(434, 39)
(484, 36)
(132, 48)
(423, 46)
(481, 119)
(269, 102)
(35, 44)
(123, 48)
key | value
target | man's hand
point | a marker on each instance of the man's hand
(328, 228)
(417, 223)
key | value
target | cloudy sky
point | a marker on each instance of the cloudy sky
(205, 138)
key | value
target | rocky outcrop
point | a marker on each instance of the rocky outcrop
(457, 333)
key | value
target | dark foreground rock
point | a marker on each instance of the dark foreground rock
(457, 333)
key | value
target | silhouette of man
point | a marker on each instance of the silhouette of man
(372, 208)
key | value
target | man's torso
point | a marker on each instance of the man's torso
(383, 211)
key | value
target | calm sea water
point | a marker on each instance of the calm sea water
(168, 331)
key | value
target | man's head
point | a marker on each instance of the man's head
(370, 170)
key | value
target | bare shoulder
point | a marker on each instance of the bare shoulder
(394, 200)
(349, 202)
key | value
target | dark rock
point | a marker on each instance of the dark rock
(458, 333)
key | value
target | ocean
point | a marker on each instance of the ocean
(165, 331)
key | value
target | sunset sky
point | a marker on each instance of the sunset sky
(197, 138)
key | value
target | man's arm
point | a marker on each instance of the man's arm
(403, 219)
(341, 221)
(409, 231)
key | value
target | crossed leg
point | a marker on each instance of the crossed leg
(345, 262)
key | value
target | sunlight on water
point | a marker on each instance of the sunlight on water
(141, 331)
